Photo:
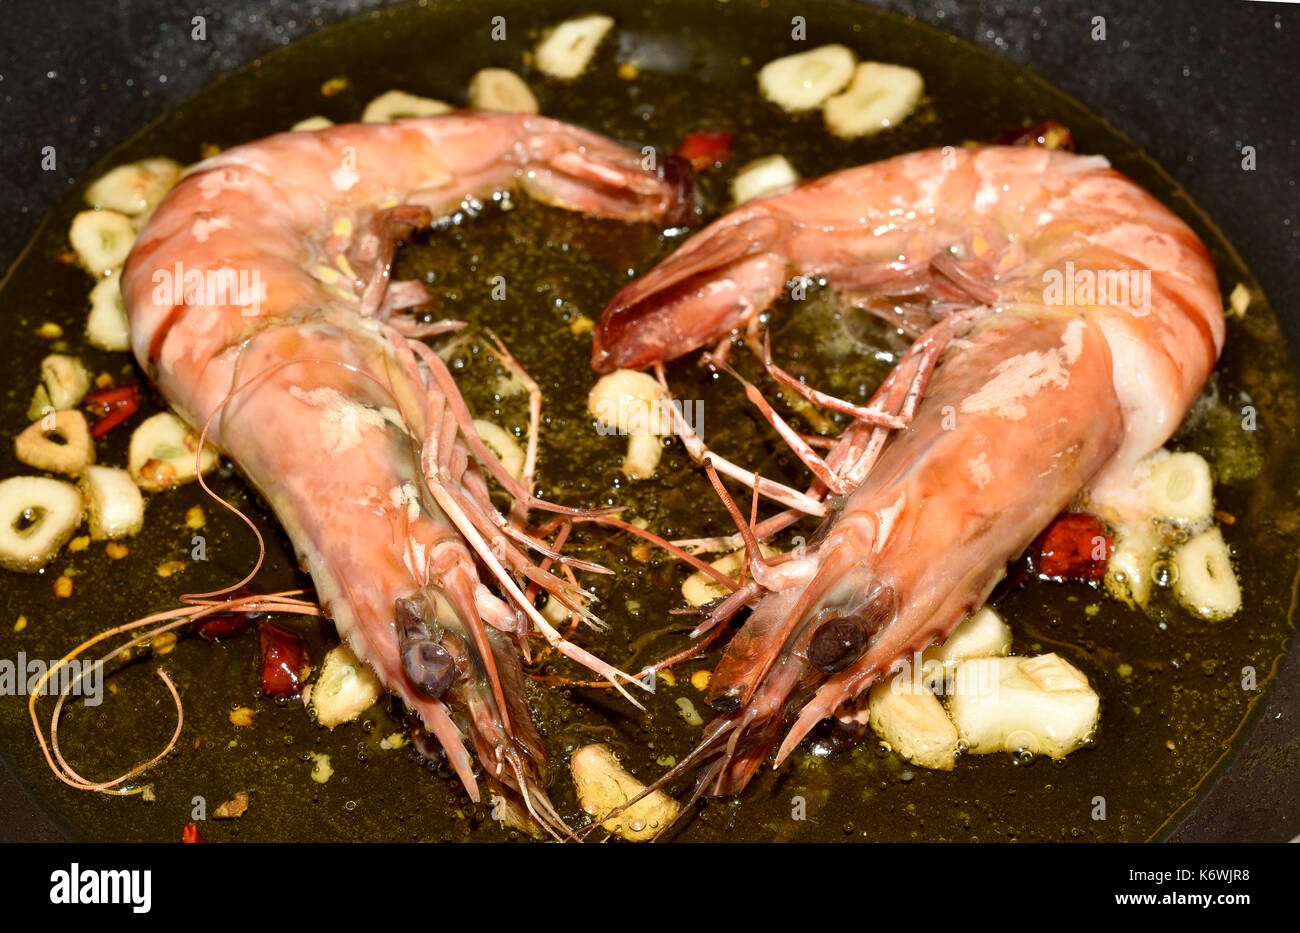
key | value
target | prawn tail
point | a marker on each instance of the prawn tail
(575, 169)
(718, 281)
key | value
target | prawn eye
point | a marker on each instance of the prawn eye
(429, 665)
(840, 641)
(727, 702)
(837, 644)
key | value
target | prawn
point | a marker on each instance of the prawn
(1019, 396)
(311, 378)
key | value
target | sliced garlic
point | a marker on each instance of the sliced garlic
(106, 325)
(321, 769)
(912, 721)
(804, 81)
(500, 89)
(1053, 674)
(880, 96)
(1179, 486)
(37, 517)
(769, 175)
(555, 611)
(567, 50)
(59, 442)
(102, 239)
(65, 379)
(503, 444)
(1206, 584)
(1239, 300)
(1128, 572)
(40, 405)
(1042, 705)
(983, 634)
(604, 785)
(635, 404)
(136, 188)
(395, 105)
(114, 505)
(344, 690)
(162, 453)
(316, 122)
(700, 589)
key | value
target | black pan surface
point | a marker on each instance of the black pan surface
(1186, 86)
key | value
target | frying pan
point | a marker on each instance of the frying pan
(1190, 82)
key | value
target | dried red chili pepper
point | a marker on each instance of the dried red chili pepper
(705, 148)
(284, 655)
(103, 399)
(221, 625)
(1075, 547)
(191, 834)
(114, 405)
